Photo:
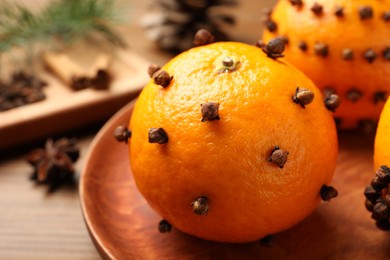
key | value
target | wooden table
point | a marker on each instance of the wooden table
(34, 225)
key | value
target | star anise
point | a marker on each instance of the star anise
(53, 165)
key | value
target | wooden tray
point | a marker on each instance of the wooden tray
(123, 226)
(65, 109)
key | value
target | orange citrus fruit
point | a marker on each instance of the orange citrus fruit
(377, 193)
(343, 46)
(382, 139)
(231, 145)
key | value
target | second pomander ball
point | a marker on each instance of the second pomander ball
(343, 46)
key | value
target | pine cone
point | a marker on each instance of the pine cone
(174, 22)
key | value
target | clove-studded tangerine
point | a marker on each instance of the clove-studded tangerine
(241, 162)
(377, 192)
(339, 43)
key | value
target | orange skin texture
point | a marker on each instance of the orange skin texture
(382, 139)
(301, 24)
(227, 159)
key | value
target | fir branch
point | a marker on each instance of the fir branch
(66, 21)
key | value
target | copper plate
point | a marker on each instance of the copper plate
(123, 226)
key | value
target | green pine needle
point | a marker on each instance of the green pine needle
(65, 21)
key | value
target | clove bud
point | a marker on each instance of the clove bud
(278, 157)
(162, 78)
(157, 135)
(275, 48)
(210, 111)
(122, 133)
(328, 192)
(303, 96)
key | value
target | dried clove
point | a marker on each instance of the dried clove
(366, 12)
(332, 102)
(321, 49)
(278, 157)
(354, 95)
(371, 194)
(383, 224)
(21, 90)
(275, 47)
(370, 55)
(260, 44)
(302, 46)
(380, 96)
(387, 199)
(383, 173)
(157, 135)
(285, 39)
(378, 197)
(369, 205)
(339, 11)
(200, 206)
(380, 211)
(317, 9)
(328, 192)
(386, 53)
(122, 133)
(378, 184)
(271, 25)
(162, 78)
(303, 96)
(386, 16)
(164, 226)
(298, 3)
(153, 68)
(210, 111)
(203, 37)
(328, 91)
(347, 54)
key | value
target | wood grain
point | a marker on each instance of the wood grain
(124, 226)
(34, 225)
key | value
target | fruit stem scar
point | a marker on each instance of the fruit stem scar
(200, 206)
(228, 65)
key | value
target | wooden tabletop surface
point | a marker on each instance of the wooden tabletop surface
(34, 225)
